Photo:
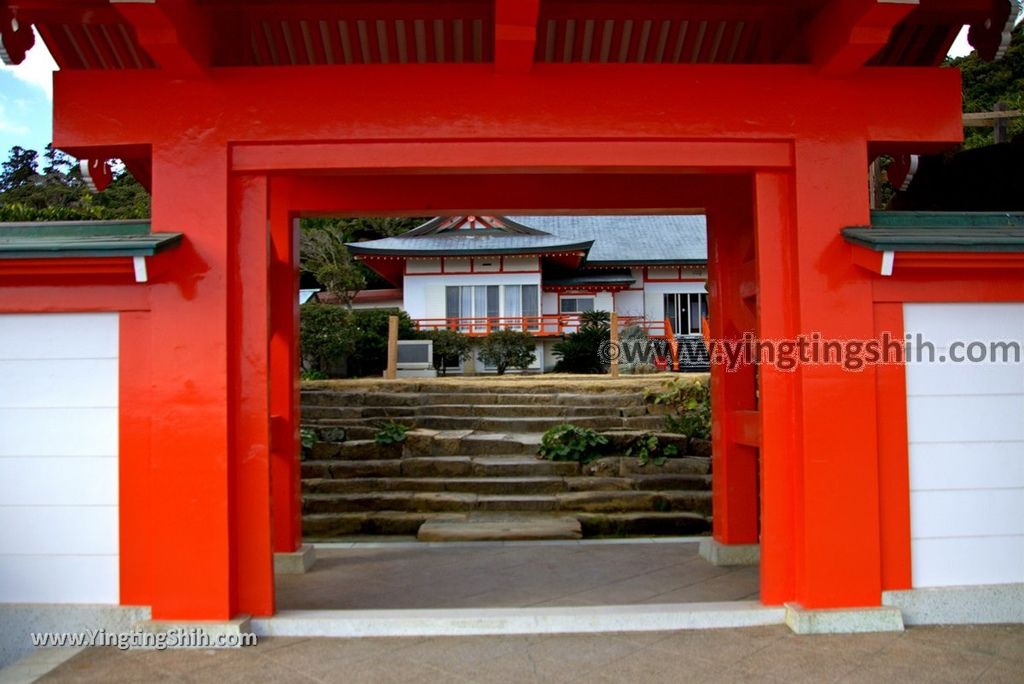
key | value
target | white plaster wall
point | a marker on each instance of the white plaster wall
(424, 295)
(549, 302)
(654, 296)
(629, 303)
(966, 448)
(603, 301)
(58, 458)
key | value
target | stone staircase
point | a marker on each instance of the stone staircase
(469, 469)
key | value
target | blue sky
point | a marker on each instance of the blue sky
(26, 102)
(26, 99)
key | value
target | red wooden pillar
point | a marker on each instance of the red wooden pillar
(731, 316)
(190, 396)
(819, 430)
(775, 228)
(284, 369)
(209, 470)
(252, 576)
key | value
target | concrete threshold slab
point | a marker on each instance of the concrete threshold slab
(981, 604)
(37, 664)
(507, 621)
(485, 544)
(501, 527)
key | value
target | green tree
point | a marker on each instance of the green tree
(57, 193)
(325, 336)
(331, 234)
(506, 349)
(19, 170)
(986, 83)
(580, 352)
(449, 345)
(324, 255)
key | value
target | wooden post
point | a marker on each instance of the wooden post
(392, 371)
(1000, 133)
(613, 367)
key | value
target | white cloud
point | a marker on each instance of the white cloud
(37, 69)
(961, 48)
(8, 123)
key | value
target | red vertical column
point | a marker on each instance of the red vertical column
(731, 315)
(779, 390)
(836, 514)
(284, 367)
(252, 574)
(190, 399)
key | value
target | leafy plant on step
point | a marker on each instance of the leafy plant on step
(567, 442)
(308, 438)
(391, 433)
(689, 402)
(648, 449)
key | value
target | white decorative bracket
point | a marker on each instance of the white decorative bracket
(141, 273)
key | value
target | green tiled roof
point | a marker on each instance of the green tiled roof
(78, 239)
(940, 232)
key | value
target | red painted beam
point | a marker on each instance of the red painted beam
(568, 102)
(511, 157)
(846, 34)
(175, 33)
(515, 34)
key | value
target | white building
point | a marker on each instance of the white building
(477, 274)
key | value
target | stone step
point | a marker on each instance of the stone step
(325, 526)
(312, 398)
(471, 485)
(500, 527)
(506, 485)
(484, 466)
(409, 413)
(461, 502)
(533, 424)
(355, 450)
(643, 524)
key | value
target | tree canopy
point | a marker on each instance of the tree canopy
(51, 189)
(986, 83)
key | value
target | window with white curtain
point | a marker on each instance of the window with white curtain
(480, 302)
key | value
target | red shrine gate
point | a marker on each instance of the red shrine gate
(241, 117)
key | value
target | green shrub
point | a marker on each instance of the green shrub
(324, 337)
(648, 449)
(506, 349)
(448, 346)
(690, 404)
(369, 332)
(391, 433)
(567, 442)
(580, 352)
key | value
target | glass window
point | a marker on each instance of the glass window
(577, 304)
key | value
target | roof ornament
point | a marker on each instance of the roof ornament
(96, 174)
(991, 38)
(16, 38)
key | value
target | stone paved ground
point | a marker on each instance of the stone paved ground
(925, 654)
(494, 575)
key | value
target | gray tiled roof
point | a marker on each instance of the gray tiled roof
(631, 239)
(464, 242)
(612, 240)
